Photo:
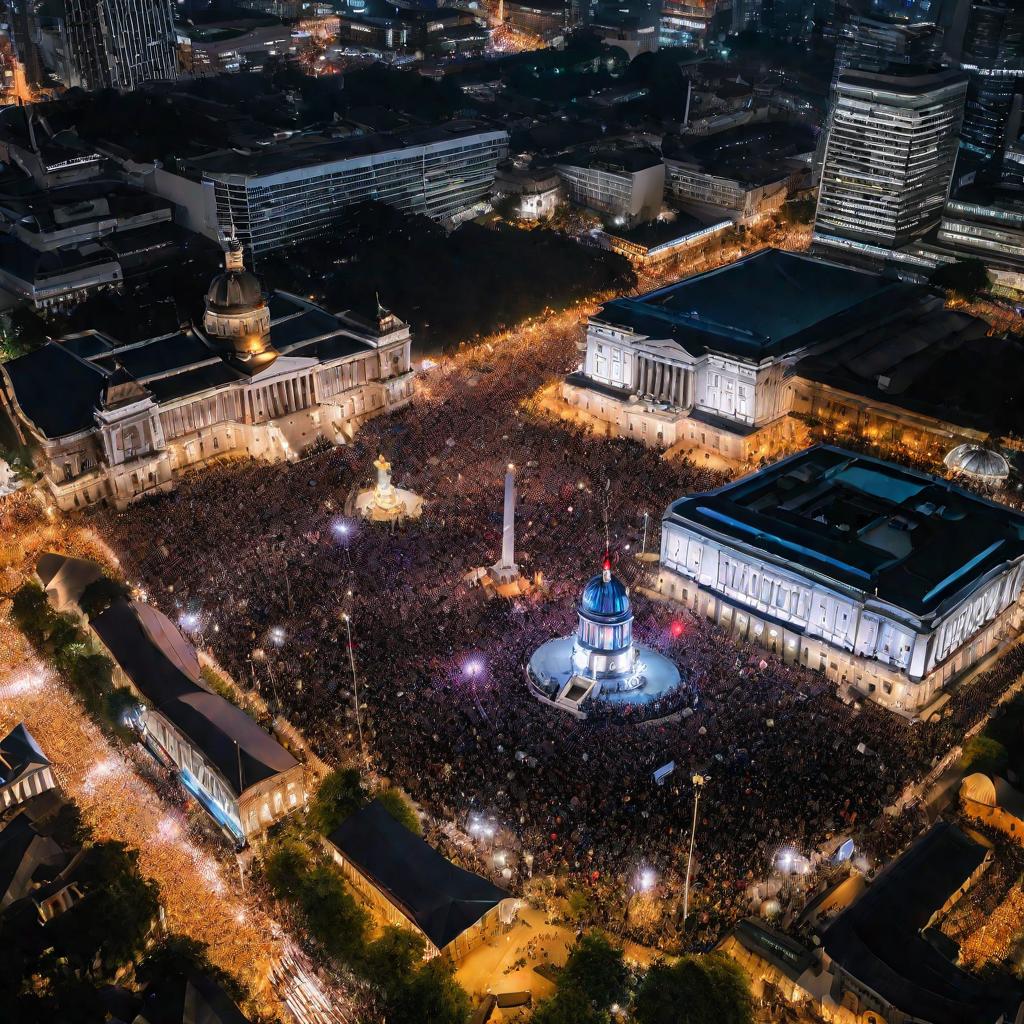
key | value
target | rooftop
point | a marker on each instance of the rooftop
(442, 899)
(879, 939)
(625, 161)
(147, 648)
(794, 301)
(311, 150)
(880, 529)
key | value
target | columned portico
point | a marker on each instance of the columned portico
(664, 382)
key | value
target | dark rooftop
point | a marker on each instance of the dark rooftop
(904, 79)
(242, 752)
(443, 900)
(767, 304)
(625, 160)
(660, 232)
(19, 753)
(55, 390)
(312, 150)
(877, 528)
(879, 941)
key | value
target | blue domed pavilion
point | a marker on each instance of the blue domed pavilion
(601, 660)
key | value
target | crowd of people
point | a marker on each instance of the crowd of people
(265, 565)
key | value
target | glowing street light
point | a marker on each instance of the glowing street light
(698, 782)
(277, 636)
(647, 880)
(347, 619)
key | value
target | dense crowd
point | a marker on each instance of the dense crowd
(257, 555)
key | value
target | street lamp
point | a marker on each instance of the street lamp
(698, 782)
(355, 682)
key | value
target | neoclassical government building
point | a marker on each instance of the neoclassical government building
(892, 582)
(729, 360)
(262, 375)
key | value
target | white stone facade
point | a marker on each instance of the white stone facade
(860, 642)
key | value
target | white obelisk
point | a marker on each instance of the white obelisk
(506, 570)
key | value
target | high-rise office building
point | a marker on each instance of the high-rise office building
(685, 22)
(889, 157)
(119, 45)
(993, 56)
(871, 42)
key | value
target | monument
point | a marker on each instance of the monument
(601, 662)
(385, 503)
(505, 571)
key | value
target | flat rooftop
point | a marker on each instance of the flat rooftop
(312, 150)
(624, 161)
(910, 539)
(879, 939)
(764, 305)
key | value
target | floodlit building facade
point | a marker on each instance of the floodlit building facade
(626, 185)
(891, 582)
(243, 778)
(892, 143)
(693, 364)
(267, 376)
(299, 188)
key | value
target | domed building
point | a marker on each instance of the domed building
(604, 639)
(267, 376)
(601, 662)
(237, 314)
(979, 464)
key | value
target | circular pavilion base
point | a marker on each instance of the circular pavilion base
(406, 505)
(553, 678)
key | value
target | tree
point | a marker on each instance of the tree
(286, 867)
(99, 595)
(432, 994)
(339, 796)
(964, 278)
(709, 989)
(401, 810)
(332, 915)
(984, 754)
(109, 926)
(568, 1006)
(392, 958)
(596, 968)
(31, 611)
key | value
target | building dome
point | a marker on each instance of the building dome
(237, 315)
(979, 463)
(605, 597)
(234, 291)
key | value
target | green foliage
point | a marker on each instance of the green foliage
(568, 1006)
(391, 958)
(984, 754)
(432, 994)
(22, 330)
(31, 611)
(504, 274)
(330, 913)
(400, 809)
(99, 595)
(595, 967)
(108, 927)
(340, 795)
(580, 903)
(708, 989)
(286, 867)
(964, 278)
